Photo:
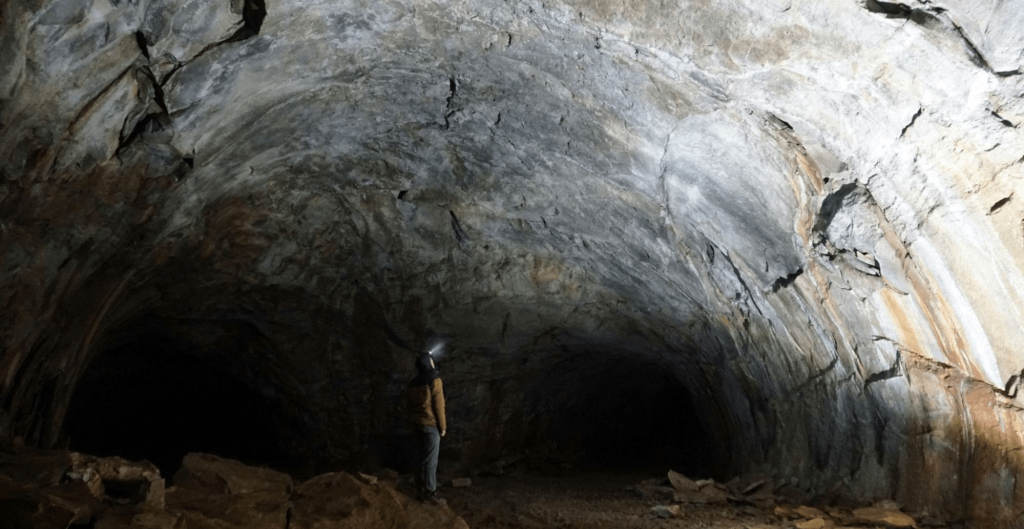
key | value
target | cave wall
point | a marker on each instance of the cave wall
(805, 210)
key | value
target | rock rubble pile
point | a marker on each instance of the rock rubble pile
(51, 489)
(757, 492)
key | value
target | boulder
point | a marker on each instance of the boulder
(119, 480)
(702, 491)
(50, 488)
(707, 494)
(219, 475)
(340, 501)
(29, 507)
(140, 518)
(244, 510)
(815, 523)
(682, 483)
(211, 491)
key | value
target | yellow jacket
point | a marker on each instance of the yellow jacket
(426, 405)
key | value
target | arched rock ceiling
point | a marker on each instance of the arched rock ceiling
(806, 209)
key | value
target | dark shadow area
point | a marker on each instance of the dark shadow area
(617, 412)
(150, 397)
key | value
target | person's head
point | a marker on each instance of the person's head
(425, 365)
(426, 371)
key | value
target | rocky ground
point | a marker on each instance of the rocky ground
(44, 489)
(629, 501)
(53, 489)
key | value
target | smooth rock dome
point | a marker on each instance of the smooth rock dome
(781, 236)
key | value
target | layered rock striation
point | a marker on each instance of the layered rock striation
(803, 213)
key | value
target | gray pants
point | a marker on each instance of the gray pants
(430, 445)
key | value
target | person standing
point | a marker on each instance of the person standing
(426, 413)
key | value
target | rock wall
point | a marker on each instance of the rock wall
(803, 210)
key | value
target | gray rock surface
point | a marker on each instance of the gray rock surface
(807, 211)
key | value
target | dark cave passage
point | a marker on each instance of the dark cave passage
(151, 396)
(621, 412)
(162, 388)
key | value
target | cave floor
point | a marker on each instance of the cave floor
(585, 500)
(528, 501)
(597, 501)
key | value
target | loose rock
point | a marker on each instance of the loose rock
(888, 517)
(666, 511)
(816, 523)
(809, 513)
(682, 483)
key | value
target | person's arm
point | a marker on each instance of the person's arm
(438, 391)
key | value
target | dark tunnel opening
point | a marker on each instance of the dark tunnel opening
(620, 413)
(151, 396)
